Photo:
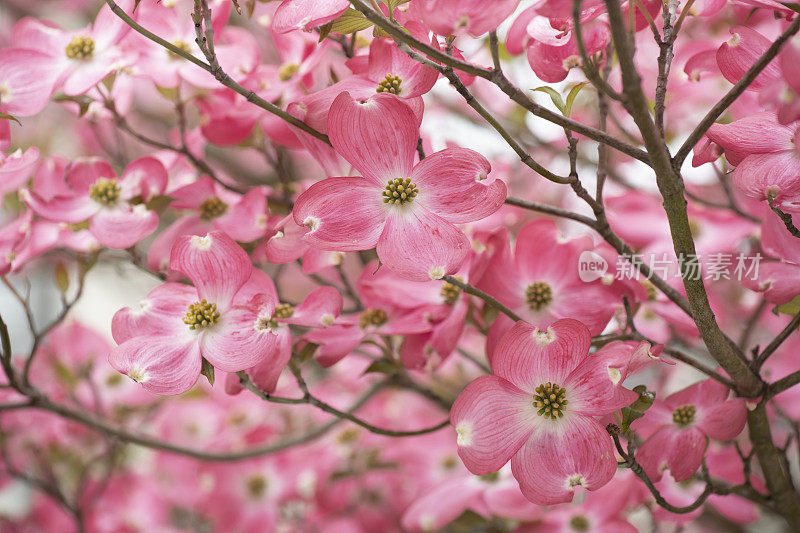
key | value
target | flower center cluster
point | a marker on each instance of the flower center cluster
(281, 311)
(450, 292)
(104, 191)
(550, 399)
(579, 523)
(201, 315)
(183, 45)
(538, 294)
(372, 317)
(652, 292)
(287, 71)
(256, 486)
(80, 47)
(684, 415)
(212, 208)
(399, 191)
(389, 84)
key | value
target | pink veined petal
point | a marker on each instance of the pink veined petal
(555, 460)
(685, 453)
(653, 452)
(789, 58)
(594, 388)
(86, 75)
(145, 178)
(448, 332)
(123, 226)
(70, 209)
(318, 104)
(708, 392)
(344, 214)
(420, 246)
(385, 58)
(160, 313)
(517, 37)
(442, 504)
(29, 78)
(5, 134)
(529, 357)
(780, 282)
(319, 309)
(378, 137)
(737, 55)
(303, 14)
(287, 244)
(493, 418)
(763, 175)
(335, 342)
(754, 134)
(701, 63)
(215, 264)
(502, 279)
(192, 196)
(234, 343)
(451, 184)
(723, 421)
(161, 364)
(85, 172)
(246, 220)
(265, 374)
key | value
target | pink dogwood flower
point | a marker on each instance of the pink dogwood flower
(115, 207)
(306, 14)
(408, 211)
(539, 409)
(163, 341)
(678, 429)
(78, 59)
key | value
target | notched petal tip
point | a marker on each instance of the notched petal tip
(201, 243)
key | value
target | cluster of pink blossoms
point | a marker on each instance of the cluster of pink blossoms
(397, 265)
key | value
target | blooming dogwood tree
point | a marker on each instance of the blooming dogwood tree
(399, 265)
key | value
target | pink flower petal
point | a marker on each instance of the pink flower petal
(123, 226)
(420, 246)
(529, 357)
(216, 265)
(451, 183)
(685, 453)
(161, 364)
(160, 313)
(70, 209)
(319, 309)
(493, 418)
(554, 460)
(265, 374)
(344, 214)
(378, 137)
(723, 421)
(234, 343)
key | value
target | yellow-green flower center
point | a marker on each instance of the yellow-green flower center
(182, 45)
(399, 191)
(684, 415)
(538, 295)
(281, 311)
(212, 208)
(201, 315)
(80, 47)
(104, 191)
(450, 293)
(287, 71)
(652, 292)
(256, 486)
(550, 400)
(579, 523)
(389, 84)
(372, 317)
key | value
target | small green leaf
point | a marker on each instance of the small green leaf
(554, 96)
(10, 117)
(789, 308)
(383, 366)
(208, 371)
(62, 277)
(350, 21)
(307, 352)
(324, 30)
(158, 203)
(394, 3)
(637, 409)
(571, 97)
